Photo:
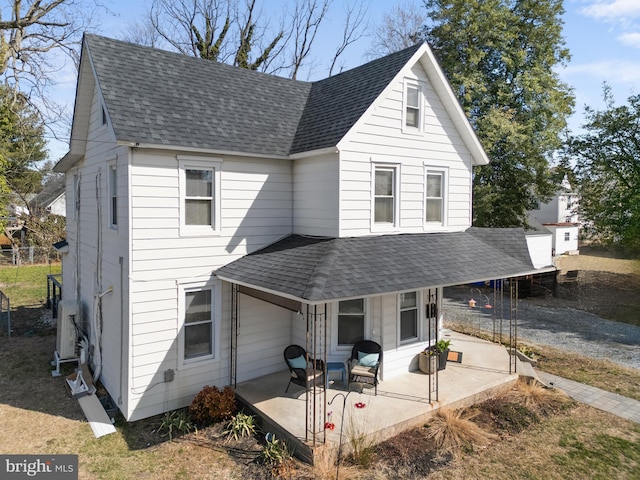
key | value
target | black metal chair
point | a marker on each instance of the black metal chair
(364, 364)
(304, 372)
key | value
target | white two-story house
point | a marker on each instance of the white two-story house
(216, 215)
(559, 216)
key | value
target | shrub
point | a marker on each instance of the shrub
(212, 405)
(240, 425)
(175, 421)
(275, 451)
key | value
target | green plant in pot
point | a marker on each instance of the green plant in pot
(442, 349)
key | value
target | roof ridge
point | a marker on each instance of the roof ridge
(322, 271)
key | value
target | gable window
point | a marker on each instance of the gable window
(113, 194)
(435, 197)
(351, 321)
(200, 196)
(408, 317)
(198, 323)
(412, 106)
(385, 195)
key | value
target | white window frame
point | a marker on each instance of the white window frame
(410, 83)
(386, 226)
(567, 236)
(200, 163)
(216, 314)
(419, 318)
(444, 173)
(112, 182)
(335, 313)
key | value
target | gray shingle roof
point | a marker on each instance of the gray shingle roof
(336, 103)
(163, 98)
(318, 269)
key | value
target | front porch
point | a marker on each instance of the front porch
(402, 401)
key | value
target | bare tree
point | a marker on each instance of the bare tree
(355, 25)
(35, 29)
(305, 21)
(400, 28)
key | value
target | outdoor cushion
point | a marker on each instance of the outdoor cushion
(368, 359)
(298, 362)
(362, 371)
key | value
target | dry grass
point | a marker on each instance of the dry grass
(454, 430)
(535, 396)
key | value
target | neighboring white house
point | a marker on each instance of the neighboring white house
(559, 216)
(216, 215)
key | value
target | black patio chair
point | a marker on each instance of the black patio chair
(304, 372)
(364, 364)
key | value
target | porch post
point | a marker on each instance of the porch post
(234, 336)
(316, 395)
(513, 326)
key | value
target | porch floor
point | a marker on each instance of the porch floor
(402, 401)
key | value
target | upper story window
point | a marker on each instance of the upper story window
(412, 106)
(435, 197)
(408, 317)
(567, 236)
(113, 194)
(385, 195)
(199, 196)
(351, 321)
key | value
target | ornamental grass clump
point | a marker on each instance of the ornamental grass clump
(453, 430)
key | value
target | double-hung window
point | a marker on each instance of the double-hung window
(199, 196)
(198, 323)
(351, 321)
(385, 195)
(435, 197)
(413, 101)
(409, 321)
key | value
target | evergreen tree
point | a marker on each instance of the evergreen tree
(500, 57)
(22, 146)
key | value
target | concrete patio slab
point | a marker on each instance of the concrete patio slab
(402, 401)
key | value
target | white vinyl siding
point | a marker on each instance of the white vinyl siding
(379, 138)
(315, 195)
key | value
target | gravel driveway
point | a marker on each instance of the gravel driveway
(565, 328)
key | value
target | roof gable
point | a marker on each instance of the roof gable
(165, 99)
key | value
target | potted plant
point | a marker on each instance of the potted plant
(428, 360)
(442, 349)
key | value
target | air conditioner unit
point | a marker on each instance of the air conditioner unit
(67, 334)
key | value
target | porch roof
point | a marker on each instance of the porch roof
(320, 269)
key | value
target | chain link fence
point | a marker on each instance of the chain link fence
(28, 255)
